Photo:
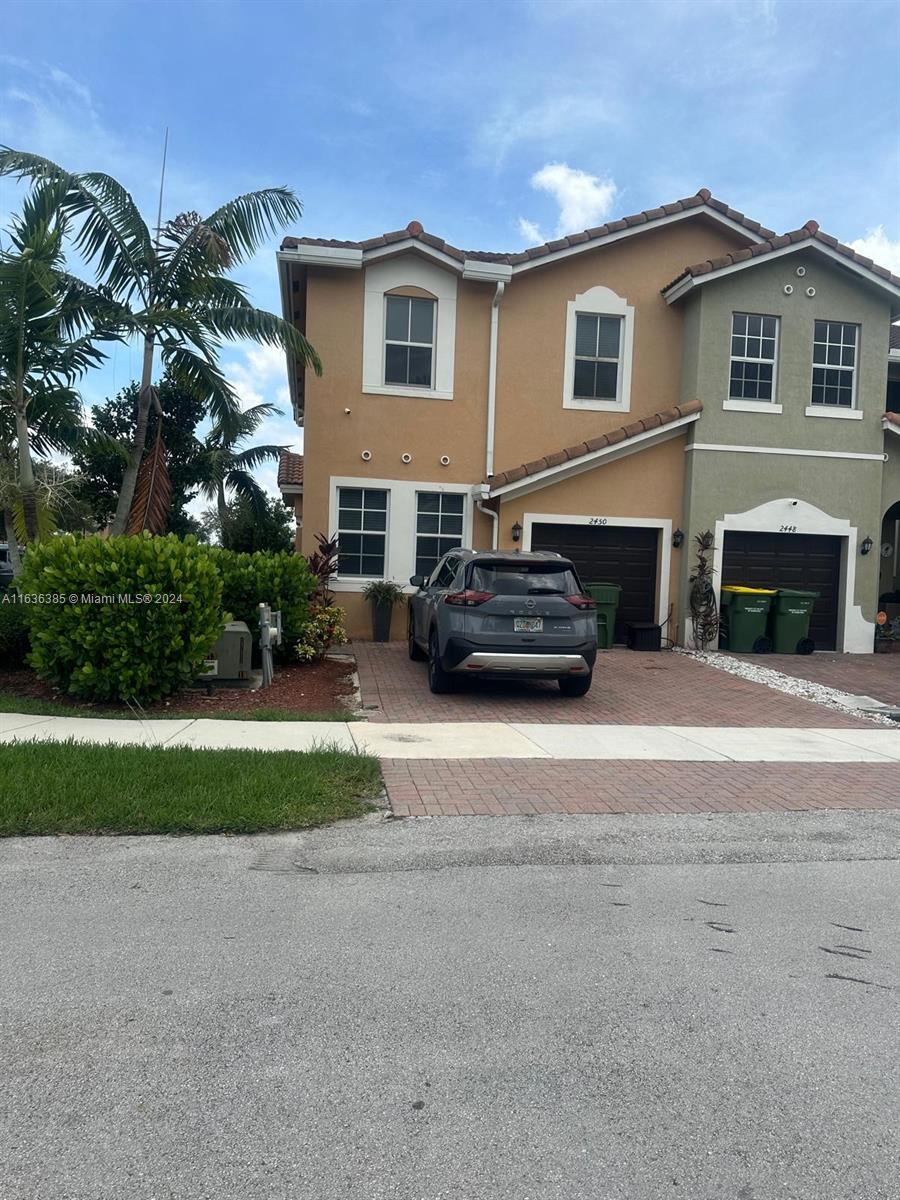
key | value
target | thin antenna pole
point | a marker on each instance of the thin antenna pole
(162, 183)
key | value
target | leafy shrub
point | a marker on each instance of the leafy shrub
(383, 591)
(13, 631)
(93, 634)
(281, 579)
(324, 628)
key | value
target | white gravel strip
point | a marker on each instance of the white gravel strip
(805, 689)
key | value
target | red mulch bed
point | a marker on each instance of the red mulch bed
(298, 688)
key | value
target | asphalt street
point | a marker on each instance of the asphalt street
(521, 1009)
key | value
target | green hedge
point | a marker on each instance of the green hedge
(124, 618)
(281, 579)
(13, 630)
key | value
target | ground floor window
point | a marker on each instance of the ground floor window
(362, 531)
(439, 527)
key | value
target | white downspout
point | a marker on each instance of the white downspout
(495, 517)
(492, 380)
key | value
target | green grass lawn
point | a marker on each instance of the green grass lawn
(11, 703)
(65, 787)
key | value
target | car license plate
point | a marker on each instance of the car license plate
(528, 624)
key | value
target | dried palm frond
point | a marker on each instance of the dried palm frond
(152, 493)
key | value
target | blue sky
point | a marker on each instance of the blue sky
(494, 124)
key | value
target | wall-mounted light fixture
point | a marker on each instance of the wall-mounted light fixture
(516, 532)
(678, 538)
(866, 546)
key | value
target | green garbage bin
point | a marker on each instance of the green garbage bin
(789, 621)
(606, 597)
(745, 612)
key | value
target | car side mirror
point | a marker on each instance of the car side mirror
(417, 581)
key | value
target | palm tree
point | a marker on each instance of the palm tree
(227, 468)
(172, 289)
(49, 324)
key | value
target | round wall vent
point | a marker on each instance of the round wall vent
(801, 271)
(789, 289)
(366, 455)
(406, 458)
(810, 291)
(445, 460)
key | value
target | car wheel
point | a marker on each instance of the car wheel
(576, 685)
(416, 653)
(439, 680)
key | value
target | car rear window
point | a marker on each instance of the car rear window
(524, 579)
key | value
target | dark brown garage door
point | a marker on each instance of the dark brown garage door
(792, 560)
(609, 554)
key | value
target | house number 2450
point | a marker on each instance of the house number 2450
(598, 520)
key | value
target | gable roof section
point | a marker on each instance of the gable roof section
(810, 236)
(615, 444)
(290, 469)
(347, 253)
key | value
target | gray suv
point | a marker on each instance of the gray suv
(499, 614)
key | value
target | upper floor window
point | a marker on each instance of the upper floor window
(753, 349)
(834, 364)
(409, 341)
(439, 527)
(362, 531)
(597, 346)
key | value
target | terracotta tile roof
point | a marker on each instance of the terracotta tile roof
(414, 230)
(641, 425)
(290, 469)
(809, 232)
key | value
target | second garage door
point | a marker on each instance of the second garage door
(609, 554)
(791, 560)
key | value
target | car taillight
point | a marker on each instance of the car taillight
(584, 603)
(468, 598)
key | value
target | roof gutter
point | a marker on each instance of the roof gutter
(492, 380)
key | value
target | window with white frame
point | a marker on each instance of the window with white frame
(834, 363)
(754, 341)
(408, 340)
(362, 531)
(598, 342)
(439, 527)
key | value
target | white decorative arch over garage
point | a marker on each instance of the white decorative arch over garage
(855, 634)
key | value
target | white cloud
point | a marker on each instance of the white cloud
(549, 122)
(530, 232)
(584, 200)
(880, 248)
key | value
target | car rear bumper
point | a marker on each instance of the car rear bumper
(463, 657)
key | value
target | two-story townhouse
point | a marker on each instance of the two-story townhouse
(570, 397)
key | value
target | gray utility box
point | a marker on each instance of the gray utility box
(230, 656)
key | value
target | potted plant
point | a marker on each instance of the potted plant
(382, 594)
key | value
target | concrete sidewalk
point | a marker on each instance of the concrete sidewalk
(479, 740)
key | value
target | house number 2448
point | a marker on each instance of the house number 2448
(788, 529)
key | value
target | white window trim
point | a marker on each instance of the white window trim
(833, 411)
(600, 301)
(400, 542)
(663, 524)
(743, 405)
(851, 413)
(409, 271)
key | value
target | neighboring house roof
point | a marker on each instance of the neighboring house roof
(290, 469)
(414, 232)
(810, 236)
(643, 428)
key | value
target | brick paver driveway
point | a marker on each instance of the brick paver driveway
(875, 675)
(629, 688)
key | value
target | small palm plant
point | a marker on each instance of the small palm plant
(171, 289)
(228, 469)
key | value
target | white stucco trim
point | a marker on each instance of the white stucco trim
(683, 286)
(889, 425)
(324, 256)
(841, 414)
(752, 406)
(400, 538)
(693, 446)
(604, 302)
(597, 458)
(409, 271)
(663, 524)
(856, 635)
